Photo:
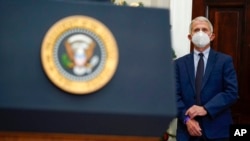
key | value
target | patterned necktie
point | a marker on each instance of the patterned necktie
(198, 79)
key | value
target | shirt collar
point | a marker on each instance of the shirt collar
(205, 52)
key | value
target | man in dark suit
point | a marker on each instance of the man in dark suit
(206, 88)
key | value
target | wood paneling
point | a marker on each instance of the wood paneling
(231, 20)
(228, 39)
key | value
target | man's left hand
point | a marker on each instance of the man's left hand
(196, 110)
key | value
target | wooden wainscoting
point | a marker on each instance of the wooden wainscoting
(29, 136)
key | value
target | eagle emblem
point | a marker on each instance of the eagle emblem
(79, 54)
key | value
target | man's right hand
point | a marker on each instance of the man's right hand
(193, 127)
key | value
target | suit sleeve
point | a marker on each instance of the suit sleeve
(180, 104)
(226, 89)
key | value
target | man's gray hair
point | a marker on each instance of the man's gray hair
(200, 18)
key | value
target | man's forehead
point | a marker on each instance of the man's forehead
(197, 24)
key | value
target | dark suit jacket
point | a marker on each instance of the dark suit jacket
(219, 92)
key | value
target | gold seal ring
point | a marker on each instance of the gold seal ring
(79, 54)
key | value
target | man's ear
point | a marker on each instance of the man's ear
(212, 37)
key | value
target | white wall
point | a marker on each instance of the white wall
(180, 17)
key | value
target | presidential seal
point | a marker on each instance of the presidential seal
(79, 54)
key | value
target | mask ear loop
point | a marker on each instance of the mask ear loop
(211, 34)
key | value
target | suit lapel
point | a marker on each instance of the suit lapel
(190, 68)
(210, 63)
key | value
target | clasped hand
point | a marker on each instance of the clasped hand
(193, 126)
